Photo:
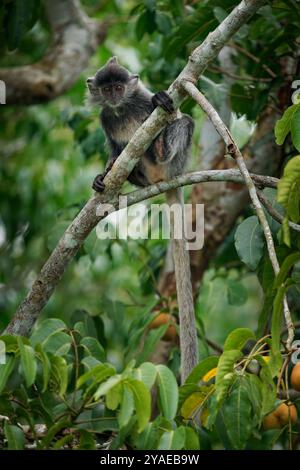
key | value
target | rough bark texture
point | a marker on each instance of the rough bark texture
(75, 38)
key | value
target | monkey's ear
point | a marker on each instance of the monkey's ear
(133, 80)
(90, 83)
(112, 60)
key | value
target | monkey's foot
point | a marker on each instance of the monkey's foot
(163, 100)
(98, 184)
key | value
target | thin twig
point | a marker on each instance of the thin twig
(196, 177)
(244, 78)
(252, 57)
(214, 346)
(273, 212)
(237, 155)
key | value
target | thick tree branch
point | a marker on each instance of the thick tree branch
(235, 152)
(86, 220)
(75, 38)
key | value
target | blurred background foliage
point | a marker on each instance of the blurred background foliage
(50, 154)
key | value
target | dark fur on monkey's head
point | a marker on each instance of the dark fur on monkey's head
(112, 85)
(111, 72)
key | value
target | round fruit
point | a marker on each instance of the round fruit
(295, 377)
(286, 412)
(281, 417)
(271, 422)
(162, 319)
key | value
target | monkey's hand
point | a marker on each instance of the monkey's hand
(98, 184)
(163, 100)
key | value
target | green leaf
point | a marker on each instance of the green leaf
(163, 21)
(186, 390)
(237, 416)
(238, 338)
(15, 437)
(28, 362)
(11, 343)
(45, 329)
(87, 441)
(271, 195)
(113, 397)
(225, 373)
(286, 266)
(249, 242)
(193, 403)
(142, 402)
(20, 18)
(106, 386)
(97, 374)
(127, 406)
(191, 439)
(237, 294)
(106, 424)
(268, 389)
(153, 337)
(194, 26)
(289, 189)
(253, 385)
(89, 362)
(59, 372)
(201, 369)
(93, 348)
(150, 4)
(265, 312)
(6, 370)
(146, 373)
(147, 439)
(53, 430)
(275, 363)
(173, 440)
(277, 320)
(283, 126)
(295, 129)
(63, 441)
(167, 392)
(45, 364)
(286, 234)
(58, 343)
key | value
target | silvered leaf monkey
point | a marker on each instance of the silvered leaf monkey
(125, 104)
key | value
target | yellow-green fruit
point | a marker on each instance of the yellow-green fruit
(271, 422)
(295, 377)
(286, 412)
(162, 319)
(281, 417)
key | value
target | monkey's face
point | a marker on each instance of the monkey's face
(108, 94)
(112, 93)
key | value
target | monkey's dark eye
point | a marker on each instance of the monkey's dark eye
(118, 87)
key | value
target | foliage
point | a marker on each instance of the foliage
(57, 393)
(84, 378)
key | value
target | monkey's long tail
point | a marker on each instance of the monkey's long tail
(187, 323)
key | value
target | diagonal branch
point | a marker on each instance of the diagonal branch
(235, 152)
(87, 219)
